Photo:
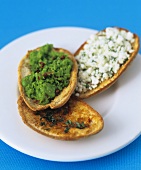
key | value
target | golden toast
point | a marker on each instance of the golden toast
(74, 120)
(108, 82)
(59, 100)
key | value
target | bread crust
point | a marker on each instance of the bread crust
(58, 101)
(78, 111)
(109, 82)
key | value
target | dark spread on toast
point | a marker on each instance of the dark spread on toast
(60, 118)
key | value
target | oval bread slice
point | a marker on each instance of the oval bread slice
(107, 83)
(74, 120)
(58, 101)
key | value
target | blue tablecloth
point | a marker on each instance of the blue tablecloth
(18, 18)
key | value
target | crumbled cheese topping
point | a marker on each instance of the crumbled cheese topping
(102, 56)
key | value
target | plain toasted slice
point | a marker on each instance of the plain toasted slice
(107, 83)
(58, 101)
(74, 120)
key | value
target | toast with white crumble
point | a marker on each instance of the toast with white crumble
(103, 58)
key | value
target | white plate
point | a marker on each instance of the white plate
(120, 105)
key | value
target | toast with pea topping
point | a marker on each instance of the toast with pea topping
(47, 77)
(103, 58)
(72, 121)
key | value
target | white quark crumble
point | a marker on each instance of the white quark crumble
(102, 57)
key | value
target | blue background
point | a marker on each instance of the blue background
(18, 18)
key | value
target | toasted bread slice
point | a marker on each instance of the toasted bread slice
(74, 120)
(59, 100)
(108, 82)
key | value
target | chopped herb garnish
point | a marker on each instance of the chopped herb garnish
(80, 125)
(68, 122)
(67, 129)
(87, 85)
(42, 123)
(71, 124)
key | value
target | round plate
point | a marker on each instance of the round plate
(119, 105)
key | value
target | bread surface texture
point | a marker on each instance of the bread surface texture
(110, 81)
(74, 120)
(59, 100)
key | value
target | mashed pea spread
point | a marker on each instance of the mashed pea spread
(50, 73)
